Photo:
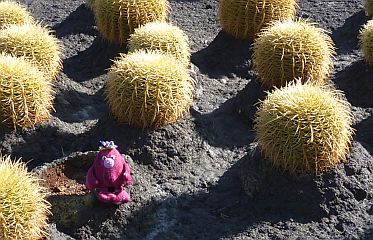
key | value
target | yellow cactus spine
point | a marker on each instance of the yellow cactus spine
(116, 20)
(12, 13)
(243, 19)
(26, 97)
(290, 50)
(163, 37)
(36, 44)
(23, 208)
(304, 128)
(148, 89)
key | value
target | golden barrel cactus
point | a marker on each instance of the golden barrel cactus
(290, 50)
(117, 19)
(13, 13)
(36, 44)
(26, 97)
(23, 208)
(366, 41)
(304, 128)
(243, 19)
(148, 89)
(161, 36)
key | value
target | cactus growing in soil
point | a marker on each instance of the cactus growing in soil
(23, 208)
(117, 19)
(25, 96)
(161, 36)
(304, 127)
(366, 41)
(148, 89)
(36, 44)
(13, 13)
(244, 18)
(368, 6)
(288, 50)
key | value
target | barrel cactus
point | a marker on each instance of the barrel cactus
(13, 13)
(161, 36)
(366, 41)
(23, 208)
(36, 44)
(25, 95)
(148, 89)
(244, 18)
(304, 128)
(117, 19)
(368, 6)
(293, 49)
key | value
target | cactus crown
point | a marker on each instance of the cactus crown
(117, 19)
(161, 36)
(148, 88)
(26, 98)
(23, 209)
(13, 13)
(366, 41)
(288, 50)
(244, 18)
(304, 128)
(36, 44)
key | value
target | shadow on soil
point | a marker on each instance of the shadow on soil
(92, 62)
(225, 56)
(225, 204)
(221, 128)
(364, 133)
(79, 21)
(75, 106)
(346, 37)
(356, 82)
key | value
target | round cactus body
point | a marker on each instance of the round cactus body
(13, 13)
(304, 128)
(117, 19)
(366, 41)
(244, 18)
(148, 89)
(161, 36)
(36, 44)
(23, 209)
(290, 50)
(25, 96)
(368, 6)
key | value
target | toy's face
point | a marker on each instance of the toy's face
(107, 158)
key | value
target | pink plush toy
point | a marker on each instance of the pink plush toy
(108, 174)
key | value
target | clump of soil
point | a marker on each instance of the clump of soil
(64, 179)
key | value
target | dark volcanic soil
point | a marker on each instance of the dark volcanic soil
(189, 175)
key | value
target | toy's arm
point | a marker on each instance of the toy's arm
(127, 174)
(91, 181)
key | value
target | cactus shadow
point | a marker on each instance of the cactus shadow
(46, 143)
(80, 21)
(364, 133)
(220, 127)
(356, 82)
(227, 210)
(92, 62)
(224, 56)
(74, 106)
(346, 36)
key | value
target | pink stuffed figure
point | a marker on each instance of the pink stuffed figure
(108, 174)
